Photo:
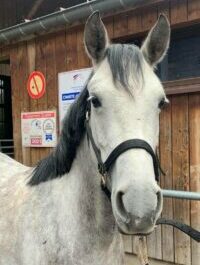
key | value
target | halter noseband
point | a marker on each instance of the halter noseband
(104, 167)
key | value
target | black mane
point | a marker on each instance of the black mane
(60, 160)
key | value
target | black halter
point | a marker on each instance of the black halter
(104, 167)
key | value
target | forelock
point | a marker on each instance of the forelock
(126, 63)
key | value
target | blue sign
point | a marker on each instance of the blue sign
(70, 96)
(49, 137)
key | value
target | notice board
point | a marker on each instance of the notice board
(39, 129)
(70, 84)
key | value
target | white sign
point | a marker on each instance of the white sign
(70, 85)
(39, 129)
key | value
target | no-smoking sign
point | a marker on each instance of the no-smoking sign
(36, 85)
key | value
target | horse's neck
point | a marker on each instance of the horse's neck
(89, 212)
(95, 208)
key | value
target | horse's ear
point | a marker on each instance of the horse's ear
(156, 44)
(95, 38)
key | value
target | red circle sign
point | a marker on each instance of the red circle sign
(36, 85)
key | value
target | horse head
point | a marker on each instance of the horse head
(126, 97)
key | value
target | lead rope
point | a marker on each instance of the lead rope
(141, 249)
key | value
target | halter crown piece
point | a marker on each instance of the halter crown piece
(104, 167)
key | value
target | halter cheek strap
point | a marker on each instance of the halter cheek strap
(97, 152)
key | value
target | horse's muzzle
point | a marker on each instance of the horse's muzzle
(135, 214)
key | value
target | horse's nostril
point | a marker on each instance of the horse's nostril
(124, 216)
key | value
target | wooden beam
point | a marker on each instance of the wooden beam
(190, 85)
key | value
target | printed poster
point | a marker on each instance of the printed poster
(70, 85)
(39, 129)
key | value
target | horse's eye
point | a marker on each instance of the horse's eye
(163, 103)
(95, 102)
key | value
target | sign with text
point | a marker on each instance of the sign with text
(70, 85)
(39, 129)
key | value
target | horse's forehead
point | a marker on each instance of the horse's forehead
(147, 84)
(102, 74)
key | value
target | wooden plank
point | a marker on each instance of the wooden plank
(135, 22)
(25, 99)
(120, 25)
(109, 24)
(16, 59)
(31, 51)
(61, 51)
(163, 8)
(154, 244)
(194, 125)
(71, 49)
(51, 78)
(83, 59)
(165, 148)
(149, 17)
(180, 143)
(60, 59)
(193, 9)
(178, 11)
(182, 89)
(40, 65)
(128, 248)
(52, 89)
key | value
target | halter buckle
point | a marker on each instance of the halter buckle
(103, 173)
(104, 179)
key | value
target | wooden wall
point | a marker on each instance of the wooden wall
(179, 123)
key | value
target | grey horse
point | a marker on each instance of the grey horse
(57, 213)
